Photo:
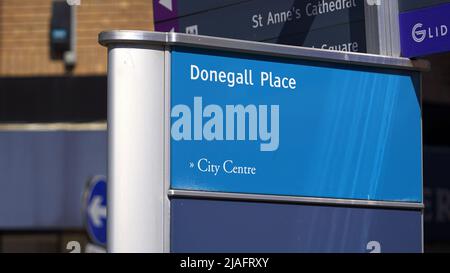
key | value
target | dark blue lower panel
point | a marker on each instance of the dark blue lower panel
(229, 226)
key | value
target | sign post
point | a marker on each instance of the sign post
(221, 145)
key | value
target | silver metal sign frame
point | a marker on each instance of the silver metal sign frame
(139, 131)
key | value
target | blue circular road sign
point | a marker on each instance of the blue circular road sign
(95, 209)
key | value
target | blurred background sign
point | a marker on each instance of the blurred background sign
(328, 24)
(425, 31)
(94, 204)
(60, 29)
(223, 226)
(170, 9)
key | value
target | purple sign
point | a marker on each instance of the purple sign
(425, 31)
(164, 9)
(167, 26)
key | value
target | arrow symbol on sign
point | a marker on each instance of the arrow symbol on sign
(96, 211)
(166, 3)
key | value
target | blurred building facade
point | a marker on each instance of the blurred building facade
(53, 118)
(24, 36)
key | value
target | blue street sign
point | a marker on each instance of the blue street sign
(230, 226)
(95, 209)
(247, 124)
(425, 31)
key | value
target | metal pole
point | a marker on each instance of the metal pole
(382, 27)
(136, 149)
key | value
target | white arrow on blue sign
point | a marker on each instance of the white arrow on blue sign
(95, 209)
